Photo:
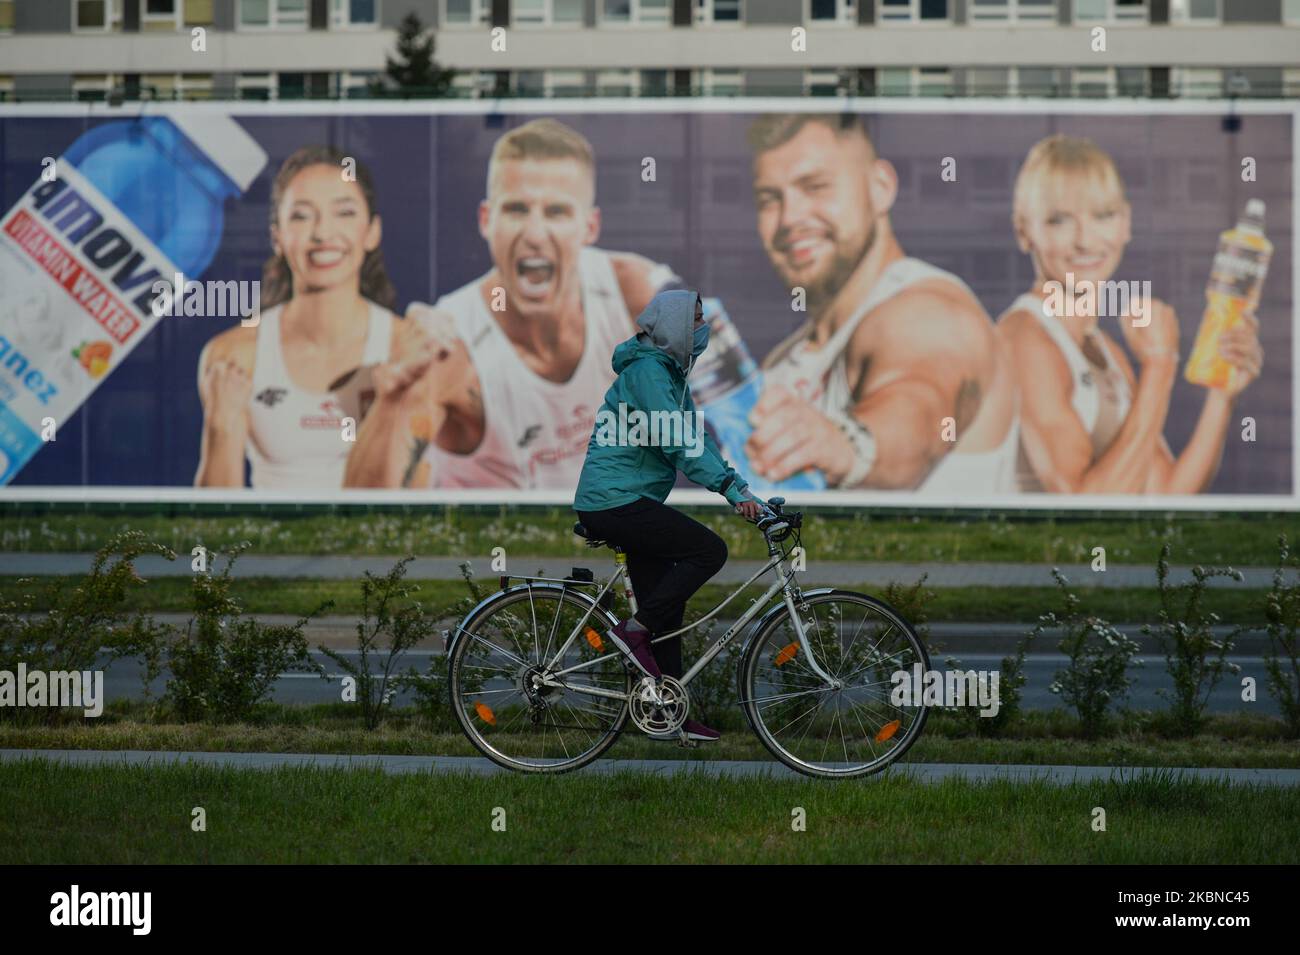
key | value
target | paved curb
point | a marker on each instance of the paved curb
(923, 772)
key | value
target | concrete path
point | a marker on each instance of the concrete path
(877, 574)
(924, 772)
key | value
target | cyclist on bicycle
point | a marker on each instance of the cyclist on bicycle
(624, 482)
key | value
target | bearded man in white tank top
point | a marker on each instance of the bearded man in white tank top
(897, 379)
(498, 383)
(1091, 425)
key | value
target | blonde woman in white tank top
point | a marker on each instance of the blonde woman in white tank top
(1089, 423)
(278, 392)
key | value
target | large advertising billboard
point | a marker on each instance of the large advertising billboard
(947, 303)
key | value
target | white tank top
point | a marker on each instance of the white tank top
(820, 376)
(293, 435)
(1101, 396)
(535, 430)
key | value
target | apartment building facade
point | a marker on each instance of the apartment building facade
(273, 49)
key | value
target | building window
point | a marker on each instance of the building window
(6, 16)
(717, 11)
(636, 11)
(1132, 81)
(529, 83)
(564, 83)
(654, 82)
(1094, 82)
(1012, 11)
(912, 11)
(91, 87)
(161, 16)
(1110, 11)
(988, 81)
(832, 11)
(185, 86)
(6, 89)
(272, 14)
(255, 86)
(353, 13)
(472, 84)
(96, 15)
(1037, 81)
(616, 83)
(1291, 82)
(1197, 83)
(539, 12)
(350, 84)
(1291, 11)
(467, 13)
(821, 82)
(917, 81)
(721, 83)
(1196, 11)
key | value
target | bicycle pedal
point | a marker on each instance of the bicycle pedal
(685, 743)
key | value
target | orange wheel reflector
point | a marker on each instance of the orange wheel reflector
(593, 638)
(888, 730)
(485, 713)
(787, 654)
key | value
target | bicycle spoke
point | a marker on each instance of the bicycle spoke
(835, 732)
(540, 720)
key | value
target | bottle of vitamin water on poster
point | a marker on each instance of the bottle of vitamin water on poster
(129, 204)
(1236, 278)
(726, 383)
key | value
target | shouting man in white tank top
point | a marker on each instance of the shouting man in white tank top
(497, 385)
(897, 379)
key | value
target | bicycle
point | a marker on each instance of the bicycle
(515, 698)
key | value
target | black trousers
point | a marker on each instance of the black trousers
(669, 557)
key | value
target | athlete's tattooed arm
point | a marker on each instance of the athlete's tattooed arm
(917, 360)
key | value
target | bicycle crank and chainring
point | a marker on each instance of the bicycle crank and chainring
(658, 708)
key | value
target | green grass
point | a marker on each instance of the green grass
(1047, 738)
(266, 595)
(864, 534)
(64, 814)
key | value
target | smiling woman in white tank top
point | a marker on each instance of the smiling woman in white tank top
(1089, 423)
(280, 392)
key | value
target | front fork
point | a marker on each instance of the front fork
(793, 601)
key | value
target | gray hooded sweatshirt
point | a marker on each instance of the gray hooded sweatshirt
(652, 369)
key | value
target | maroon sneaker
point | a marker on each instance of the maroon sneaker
(636, 647)
(700, 732)
(694, 731)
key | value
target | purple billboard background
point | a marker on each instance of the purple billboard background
(142, 427)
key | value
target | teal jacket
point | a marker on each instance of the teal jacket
(652, 368)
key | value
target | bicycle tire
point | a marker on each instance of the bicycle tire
(747, 678)
(465, 638)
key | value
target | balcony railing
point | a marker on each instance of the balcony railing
(119, 95)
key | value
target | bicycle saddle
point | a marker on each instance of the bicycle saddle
(582, 532)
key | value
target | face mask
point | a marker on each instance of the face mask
(700, 341)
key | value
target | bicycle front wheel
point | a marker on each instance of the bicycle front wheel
(499, 653)
(819, 730)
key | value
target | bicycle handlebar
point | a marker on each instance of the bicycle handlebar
(774, 524)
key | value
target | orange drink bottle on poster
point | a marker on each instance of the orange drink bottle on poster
(1236, 278)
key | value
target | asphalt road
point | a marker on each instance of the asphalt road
(123, 680)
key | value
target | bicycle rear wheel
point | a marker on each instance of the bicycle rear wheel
(818, 730)
(502, 646)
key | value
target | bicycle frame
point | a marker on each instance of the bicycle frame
(782, 584)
